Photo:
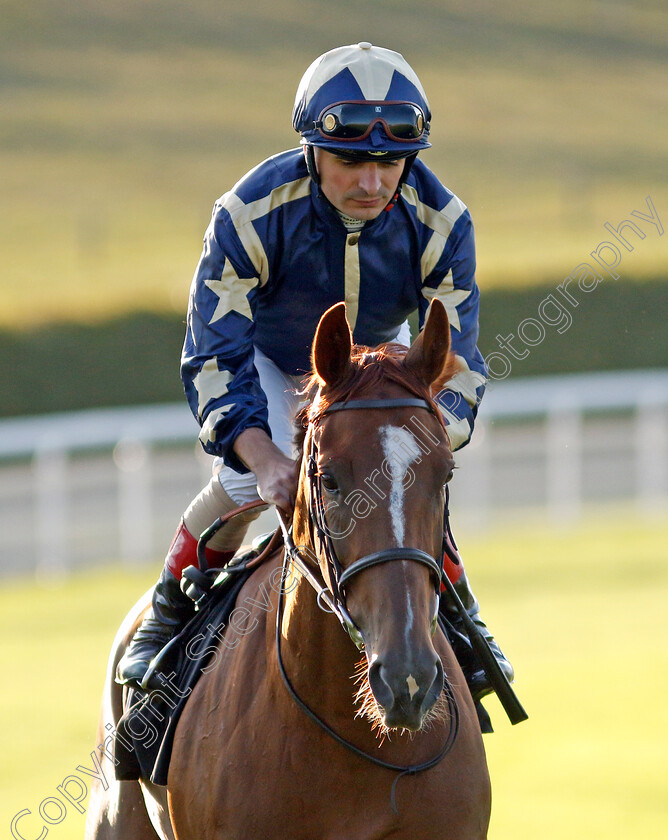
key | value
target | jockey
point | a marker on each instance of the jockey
(350, 216)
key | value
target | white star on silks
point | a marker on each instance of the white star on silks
(231, 291)
(455, 297)
(450, 298)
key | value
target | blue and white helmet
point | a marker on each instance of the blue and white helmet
(362, 102)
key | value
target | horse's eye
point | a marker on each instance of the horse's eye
(329, 482)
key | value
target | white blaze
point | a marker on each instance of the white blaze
(400, 450)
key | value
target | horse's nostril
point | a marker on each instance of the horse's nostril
(381, 689)
(433, 692)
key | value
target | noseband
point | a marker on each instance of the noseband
(339, 576)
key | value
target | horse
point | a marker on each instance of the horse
(336, 709)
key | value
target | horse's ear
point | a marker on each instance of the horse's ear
(330, 356)
(429, 355)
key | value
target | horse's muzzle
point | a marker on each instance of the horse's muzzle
(406, 694)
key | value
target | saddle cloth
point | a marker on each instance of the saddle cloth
(145, 734)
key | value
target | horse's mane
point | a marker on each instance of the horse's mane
(369, 368)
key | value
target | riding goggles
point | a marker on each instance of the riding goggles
(403, 122)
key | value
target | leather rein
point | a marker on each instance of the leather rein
(333, 599)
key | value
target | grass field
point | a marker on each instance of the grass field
(122, 123)
(581, 613)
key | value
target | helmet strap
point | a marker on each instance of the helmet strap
(310, 164)
(394, 200)
(410, 160)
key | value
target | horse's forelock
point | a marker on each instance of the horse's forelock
(370, 368)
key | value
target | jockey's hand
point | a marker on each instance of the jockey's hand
(276, 474)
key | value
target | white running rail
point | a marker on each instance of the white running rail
(84, 487)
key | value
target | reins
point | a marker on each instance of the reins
(200, 579)
(270, 547)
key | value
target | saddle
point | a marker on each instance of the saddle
(145, 733)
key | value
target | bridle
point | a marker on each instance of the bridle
(321, 535)
(332, 598)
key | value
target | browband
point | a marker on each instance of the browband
(407, 402)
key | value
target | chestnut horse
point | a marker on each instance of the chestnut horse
(277, 740)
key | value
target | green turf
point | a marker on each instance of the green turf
(581, 613)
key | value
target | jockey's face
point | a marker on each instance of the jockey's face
(360, 189)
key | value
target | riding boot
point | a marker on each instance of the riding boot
(170, 608)
(472, 669)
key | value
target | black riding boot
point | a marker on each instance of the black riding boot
(169, 612)
(475, 675)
